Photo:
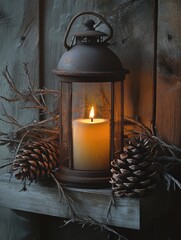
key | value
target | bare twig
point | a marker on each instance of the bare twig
(35, 97)
(91, 222)
(169, 146)
(37, 124)
(168, 158)
(11, 119)
(6, 165)
(111, 203)
(20, 143)
(63, 196)
(140, 125)
(170, 178)
(16, 99)
(27, 72)
(10, 81)
(47, 91)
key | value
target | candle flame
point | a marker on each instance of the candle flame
(91, 115)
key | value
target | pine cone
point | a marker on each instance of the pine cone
(134, 174)
(36, 160)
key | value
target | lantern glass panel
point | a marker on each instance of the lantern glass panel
(89, 142)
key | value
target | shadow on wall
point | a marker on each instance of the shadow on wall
(133, 41)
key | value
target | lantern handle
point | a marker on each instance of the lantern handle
(85, 13)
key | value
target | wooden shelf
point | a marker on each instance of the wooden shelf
(127, 212)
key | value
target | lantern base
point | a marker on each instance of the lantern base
(84, 178)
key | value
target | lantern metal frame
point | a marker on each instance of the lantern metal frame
(109, 69)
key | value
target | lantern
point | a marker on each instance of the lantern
(91, 106)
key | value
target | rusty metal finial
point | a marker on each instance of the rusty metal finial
(89, 24)
(66, 45)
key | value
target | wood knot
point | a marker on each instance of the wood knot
(23, 38)
(2, 14)
(124, 40)
(4, 18)
(169, 36)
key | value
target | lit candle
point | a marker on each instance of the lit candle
(91, 143)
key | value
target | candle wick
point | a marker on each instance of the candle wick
(92, 119)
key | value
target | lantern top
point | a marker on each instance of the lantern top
(90, 31)
(88, 59)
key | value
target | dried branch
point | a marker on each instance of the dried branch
(26, 95)
(27, 72)
(34, 97)
(171, 179)
(35, 131)
(5, 165)
(11, 100)
(46, 91)
(63, 196)
(111, 203)
(140, 125)
(40, 123)
(10, 81)
(104, 100)
(91, 222)
(83, 221)
(20, 143)
(168, 146)
(5, 141)
(168, 158)
(11, 119)
(14, 137)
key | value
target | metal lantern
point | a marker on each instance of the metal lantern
(91, 106)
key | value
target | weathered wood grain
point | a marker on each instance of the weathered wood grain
(19, 43)
(133, 25)
(169, 71)
(168, 116)
(127, 212)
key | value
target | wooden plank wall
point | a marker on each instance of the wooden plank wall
(169, 92)
(19, 44)
(169, 71)
(32, 31)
